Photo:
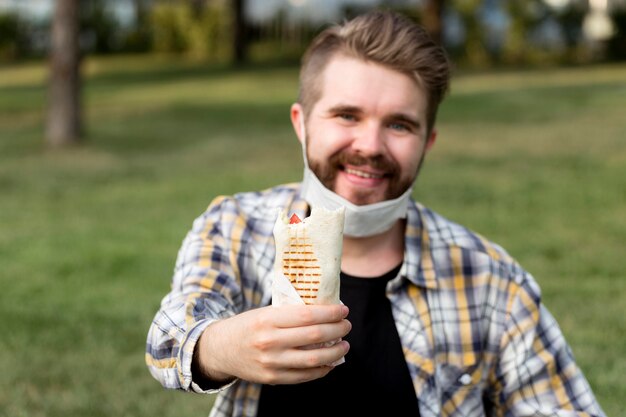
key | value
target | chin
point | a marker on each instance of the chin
(364, 198)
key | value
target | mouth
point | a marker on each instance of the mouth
(363, 174)
(364, 177)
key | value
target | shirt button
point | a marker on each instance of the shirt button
(465, 379)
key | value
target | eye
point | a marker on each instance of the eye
(400, 127)
(347, 117)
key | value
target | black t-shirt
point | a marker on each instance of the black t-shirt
(374, 379)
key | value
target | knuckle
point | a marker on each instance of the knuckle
(314, 334)
(266, 362)
(306, 315)
(262, 343)
(312, 361)
(271, 377)
(260, 322)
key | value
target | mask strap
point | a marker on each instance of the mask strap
(302, 129)
(303, 134)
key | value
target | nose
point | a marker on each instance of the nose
(369, 140)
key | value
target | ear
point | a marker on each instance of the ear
(297, 119)
(431, 140)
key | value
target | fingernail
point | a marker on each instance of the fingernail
(346, 345)
(345, 310)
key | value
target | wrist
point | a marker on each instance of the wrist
(202, 372)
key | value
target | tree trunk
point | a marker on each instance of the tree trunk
(433, 19)
(140, 12)
(64, 107)
(240, 39)
(197, 8)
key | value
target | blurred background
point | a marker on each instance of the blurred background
(476, 32)
(120, 121)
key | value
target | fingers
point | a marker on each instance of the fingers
(315, 357)
(265, 344)
(311, 356)
(315, 334)
(297, 376)
(296, 326)
(306, 315)
(301, 365)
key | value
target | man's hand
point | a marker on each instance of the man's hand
(265, 345)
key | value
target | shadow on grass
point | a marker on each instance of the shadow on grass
(531, 104)
(175, 71)
(184, 125)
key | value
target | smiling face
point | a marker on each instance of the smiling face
(366, 135)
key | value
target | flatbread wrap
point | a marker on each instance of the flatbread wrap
(308, 261)
(308, 257)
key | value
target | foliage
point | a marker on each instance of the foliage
(204, 35)
(473, 52)
(100, 32)
(526, 41)
(617, 44)
(14, 42)
(532, 159)
(203, 30)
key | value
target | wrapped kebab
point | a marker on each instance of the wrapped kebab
(308, 260)
(308, 257)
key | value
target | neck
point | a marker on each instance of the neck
(374, 255)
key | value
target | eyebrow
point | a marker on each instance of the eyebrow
(344, 108)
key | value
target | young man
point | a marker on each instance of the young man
(436, 319)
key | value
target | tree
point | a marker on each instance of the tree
(197, 7)
(63, 126)
(433, 18)
(240, 35)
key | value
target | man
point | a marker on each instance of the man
(436, 319)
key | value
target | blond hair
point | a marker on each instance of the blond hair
(383, 37)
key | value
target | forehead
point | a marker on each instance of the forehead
(370, 86)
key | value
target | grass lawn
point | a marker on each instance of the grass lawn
(534, 160)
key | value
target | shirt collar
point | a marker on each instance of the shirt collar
(419, 265)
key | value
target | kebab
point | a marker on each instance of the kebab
(308, 254)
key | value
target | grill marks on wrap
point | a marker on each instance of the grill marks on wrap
(301, 266)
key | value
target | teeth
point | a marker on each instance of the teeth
(362, 174)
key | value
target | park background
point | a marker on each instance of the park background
(176, 108)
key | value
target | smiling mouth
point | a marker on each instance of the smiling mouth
(363, 174)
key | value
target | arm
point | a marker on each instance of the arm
(537, 374)
(264, 345)
(203, 336)
(204, 289)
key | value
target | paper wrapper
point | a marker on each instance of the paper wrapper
(308, 260)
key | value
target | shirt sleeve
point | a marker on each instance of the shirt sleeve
(537, 373)
(205, 288)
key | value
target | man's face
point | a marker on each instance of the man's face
(366, 135)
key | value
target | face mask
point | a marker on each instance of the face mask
(360, 221)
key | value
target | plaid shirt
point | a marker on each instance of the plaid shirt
(476, 337)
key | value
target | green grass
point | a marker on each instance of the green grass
(534, 160)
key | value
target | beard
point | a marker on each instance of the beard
(327, 174)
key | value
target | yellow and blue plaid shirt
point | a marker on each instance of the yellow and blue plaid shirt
(476, 337)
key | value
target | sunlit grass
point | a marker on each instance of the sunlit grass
(535, 160)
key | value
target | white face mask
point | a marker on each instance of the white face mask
(360, 221)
